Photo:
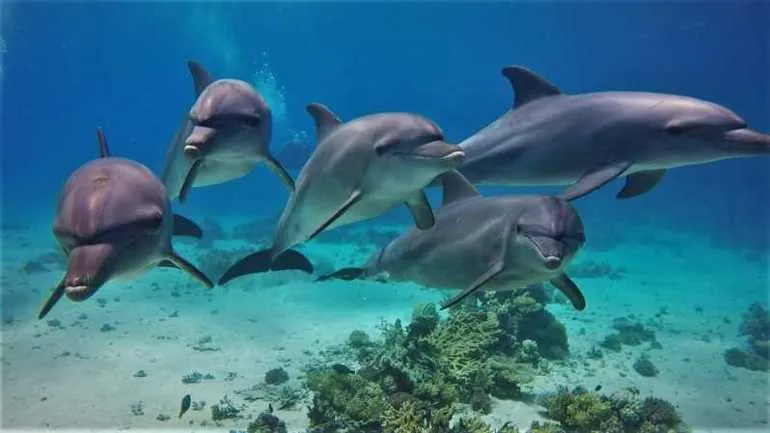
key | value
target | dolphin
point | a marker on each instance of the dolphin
(358, 170)
(587, 140)
(113, 221)
(226, 133)
(495, 243)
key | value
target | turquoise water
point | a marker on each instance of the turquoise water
(675, 280)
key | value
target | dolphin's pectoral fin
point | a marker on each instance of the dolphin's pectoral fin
(104, 149)
(355, 196)
(201, 77)
(181, 263)
(491, 273)
(53, 298)
(594, 180)
(260, 261)
(640, 182)
(186, 227)
(347, 274)
(276, 167)
(419, 207)
(189, 180)
(571, 290)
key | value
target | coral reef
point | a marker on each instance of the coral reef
(276, 376)
(412, 379)
(266, 422)
(225, 409)
(755, 326)
(580, 411)
(645, 367)
(628, 333)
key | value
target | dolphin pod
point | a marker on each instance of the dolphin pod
(587, 140)
(114, 216)
(113, 221)
(484, 243)
(358, 170)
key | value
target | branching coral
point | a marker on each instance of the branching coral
(580, 411)
(345, 399)
(413, 375)
(404, 419)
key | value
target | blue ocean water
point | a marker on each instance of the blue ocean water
(70, 67)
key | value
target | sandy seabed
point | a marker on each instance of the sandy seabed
(78, 370)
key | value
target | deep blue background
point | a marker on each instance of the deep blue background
(72, 67)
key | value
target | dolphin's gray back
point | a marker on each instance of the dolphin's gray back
(555, 139)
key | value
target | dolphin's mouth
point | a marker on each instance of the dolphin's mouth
(78, 293)
(552, 260)
(749, 138)
(192, 152)
(453, 158)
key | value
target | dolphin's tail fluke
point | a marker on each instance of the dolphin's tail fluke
(749, 141)
(347, 274)
(261, 261)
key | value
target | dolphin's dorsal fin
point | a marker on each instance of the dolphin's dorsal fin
(456, 187)
(201, 77)
(527, 85)
(325, 120)
(104, 150)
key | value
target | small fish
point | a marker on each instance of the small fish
(186, 401)
(598, 388)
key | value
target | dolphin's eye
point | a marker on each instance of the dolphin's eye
(385, 147)
(66, 240)
(129, 230)
(430, 138)
(250, 120)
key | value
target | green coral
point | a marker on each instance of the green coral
(580, 411)
(418, 372)
(404, 419)
(471, 425)
(345, 398)
(547, 427)
(465, 342)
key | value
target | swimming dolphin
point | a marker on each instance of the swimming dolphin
(113, 221)
(357, 171)
(587, 140)
(484, 243)
(223, 137)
